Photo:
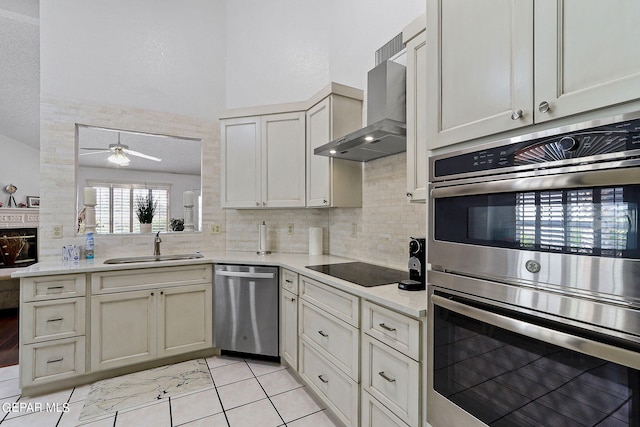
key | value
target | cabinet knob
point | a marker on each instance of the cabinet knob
(544, 107)
(257, 203)
(152, 294)
(516, 115)
(293, 300)
(324, 202)
(409, 194)
(162, 293)
(264, 203)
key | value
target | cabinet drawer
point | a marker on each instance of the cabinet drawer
(375, 414)
(289, 280)
(392, 378)
(398, 331)
(337, 340)
(146, 278)
(341, 304)
(53, 287)
(48, 320)
(339, 392)
(52, 361)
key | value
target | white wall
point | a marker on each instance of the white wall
(156, 55)
(286, 50)
(20, 166)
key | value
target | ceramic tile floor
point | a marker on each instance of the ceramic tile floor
(246, 393)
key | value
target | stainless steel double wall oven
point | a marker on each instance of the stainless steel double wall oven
(534, 300)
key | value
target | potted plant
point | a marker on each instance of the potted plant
(145, 210)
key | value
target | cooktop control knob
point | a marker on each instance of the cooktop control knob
(414, 246)
(568, 143)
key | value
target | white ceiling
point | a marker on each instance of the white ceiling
(20, 101)
(179, 155)
(20, 71)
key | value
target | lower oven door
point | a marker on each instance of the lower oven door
(494, 366)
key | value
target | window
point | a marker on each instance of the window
(115, 209)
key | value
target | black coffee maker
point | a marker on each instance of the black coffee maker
(417, 266)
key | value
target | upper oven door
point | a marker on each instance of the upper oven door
(576, 231)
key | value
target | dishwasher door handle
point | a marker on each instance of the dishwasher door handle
(248, 275)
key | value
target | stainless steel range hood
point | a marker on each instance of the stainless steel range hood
(386, 131)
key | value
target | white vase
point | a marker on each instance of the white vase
(145, 228)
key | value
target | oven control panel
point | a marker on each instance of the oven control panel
(589, 142)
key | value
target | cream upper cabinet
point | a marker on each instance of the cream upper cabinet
(479, 68)
(577, 69)
(264, 161)
(242, 163)
(415, 39)
(333, 182)
(283, 156)
(498, 65)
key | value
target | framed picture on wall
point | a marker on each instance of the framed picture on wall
(33, 201)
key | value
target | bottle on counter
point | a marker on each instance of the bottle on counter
(89, 246)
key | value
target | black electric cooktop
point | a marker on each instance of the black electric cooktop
(361, 273)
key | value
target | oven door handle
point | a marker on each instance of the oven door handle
(599, 178)
(603, 351)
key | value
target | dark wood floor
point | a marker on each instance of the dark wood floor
(8, 337)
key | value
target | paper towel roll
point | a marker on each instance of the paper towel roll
(315, 240)
(262, 239)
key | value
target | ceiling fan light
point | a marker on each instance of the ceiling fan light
(119, 159)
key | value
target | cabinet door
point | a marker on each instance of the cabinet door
(123, 329)
(241, 155)
(318, 167)
(586, 55)
(416, 115)
(283, 160)
(184, 319)
(289, 328)
(479, 68)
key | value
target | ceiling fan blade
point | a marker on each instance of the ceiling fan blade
(93, 149)
(94, 152)
(138, 154)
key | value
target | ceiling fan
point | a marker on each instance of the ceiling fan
(119, 153)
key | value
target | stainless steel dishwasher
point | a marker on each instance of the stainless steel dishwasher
(245, 301)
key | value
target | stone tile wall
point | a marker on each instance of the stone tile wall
(58, 175)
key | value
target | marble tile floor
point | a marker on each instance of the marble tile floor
(245, 393)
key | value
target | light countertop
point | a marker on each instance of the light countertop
(412, 303)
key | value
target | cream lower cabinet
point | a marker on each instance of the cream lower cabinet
(136, 326)
(168, 313)
(391, 366)
(52, 328)
(289, 317)
(328, 347)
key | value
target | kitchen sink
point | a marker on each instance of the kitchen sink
(152, 258)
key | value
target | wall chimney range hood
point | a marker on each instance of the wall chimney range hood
(386, 131)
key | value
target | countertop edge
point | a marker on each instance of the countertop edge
(388, 295)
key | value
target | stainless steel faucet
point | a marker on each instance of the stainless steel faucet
(156, 244)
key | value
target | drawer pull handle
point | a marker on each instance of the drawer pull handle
(386, 377)
(50, 288)
(288, 281)
(293, 300)
(388, 328)
(322, 379)
(324, 334)
(59, 359)
(56, 319)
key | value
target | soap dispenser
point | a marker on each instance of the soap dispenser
(89, 246)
